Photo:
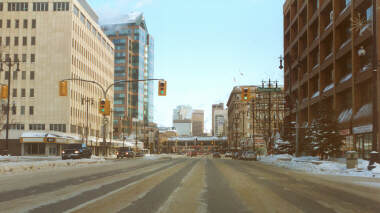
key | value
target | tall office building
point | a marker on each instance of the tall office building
(134, 60)
(198, 120)
(54, 41)
(328, 59)
(219, 106)
(220, 121)
(182, 112)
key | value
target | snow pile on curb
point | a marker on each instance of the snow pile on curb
(316, 166)
(16, 167)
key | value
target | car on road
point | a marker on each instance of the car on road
(192, 154)
(250, 155)
(76, 153)
(124, 152)
(140, 154)
(216, 155)
(228, 155)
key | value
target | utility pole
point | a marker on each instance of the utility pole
(374, 77)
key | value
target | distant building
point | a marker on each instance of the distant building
(220, 121)
(219, 106)
(183, 127)
(182, 112)
(198, 117)
(134, 59)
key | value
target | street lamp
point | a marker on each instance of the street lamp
(10, 63)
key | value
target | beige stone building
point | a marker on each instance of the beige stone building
(198, 120)
(55, 40)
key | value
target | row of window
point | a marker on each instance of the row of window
(23, 57)
(23, 92)
(15, 75)
(17, 23)
(17, 41)
(23, 110)
(37, 6)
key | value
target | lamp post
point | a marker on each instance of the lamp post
(88, 101)
(10, 63)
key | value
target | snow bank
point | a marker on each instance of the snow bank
(316, 166)
(24, 166)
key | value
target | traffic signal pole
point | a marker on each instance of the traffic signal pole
(105, 91)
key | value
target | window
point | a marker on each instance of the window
(1, 6)
(58, 127)
(8, 23)
(17, 23)
(23, 92)
(18, 6)
(14, 109)
(31, 111)
(6, 75)
(23, 57)
(23, 75)
(31, 75)
(24, 41)
(61, 6)
(40, 6)
(32, 58)
(16, 41)
(36, 126)
(7, 41)
(25, 23)
(1, 23)
(22, 110)
(34, 23)
(15, 75)
(14, 93)
(31, 93)
(33, 41)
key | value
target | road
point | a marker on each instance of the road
(183, 185)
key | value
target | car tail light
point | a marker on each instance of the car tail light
(117, 153)
(126, 153)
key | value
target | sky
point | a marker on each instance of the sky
(203, 48)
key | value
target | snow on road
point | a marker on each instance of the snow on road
(316, 166)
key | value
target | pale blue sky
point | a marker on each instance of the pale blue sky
(202, 45)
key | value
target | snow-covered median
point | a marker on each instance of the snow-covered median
(13, 164)
(316, 166)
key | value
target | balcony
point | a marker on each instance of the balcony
(328, 88)
(344, 48)
(343, 15)
(363, 76)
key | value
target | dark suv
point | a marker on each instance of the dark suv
(125, 153)
(76, 153)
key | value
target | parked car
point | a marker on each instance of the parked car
(228, 155)
(76, 153)
(216, 155)
(241, 156)
(235, 156)
(250, 156)
(192, 154)
(140, 154)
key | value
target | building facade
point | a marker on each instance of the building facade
(55, 41)
(328, 48)
(254, 123)
(182, 112)
(183, 127)
(198, 118)
(220, 120)
(219, 106)
(134, 60)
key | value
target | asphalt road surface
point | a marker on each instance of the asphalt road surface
(183, 185)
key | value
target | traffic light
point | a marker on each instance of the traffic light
(245, 94)
(162, 88)
(63, 88)
(104, 107)
(107, 108)
(4, 91)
